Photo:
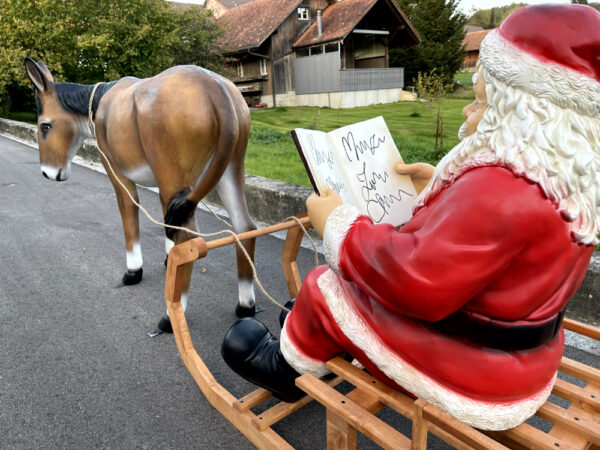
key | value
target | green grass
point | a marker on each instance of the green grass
(28, 117)
(272, 153)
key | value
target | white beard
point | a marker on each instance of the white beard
(556, 148)
(463, 131)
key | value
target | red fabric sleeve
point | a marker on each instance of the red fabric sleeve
(450, 250)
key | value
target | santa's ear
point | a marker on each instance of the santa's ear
(37, 75)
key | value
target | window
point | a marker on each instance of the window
(263, 66)
(316, 50)
(240, 69)
(300, 53)
(330, 48)
(303, 14)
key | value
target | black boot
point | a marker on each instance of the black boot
(251, 351)
(283, 314)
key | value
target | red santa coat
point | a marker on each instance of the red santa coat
(491, 246)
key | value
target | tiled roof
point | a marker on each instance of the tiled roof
(249, 25)
(472, 41)
(340, 18)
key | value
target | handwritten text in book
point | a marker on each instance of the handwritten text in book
(378, 205)
(354, 150)
(320, 156)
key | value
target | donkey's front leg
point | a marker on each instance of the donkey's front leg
(131, 227)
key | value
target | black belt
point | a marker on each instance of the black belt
(498, 334)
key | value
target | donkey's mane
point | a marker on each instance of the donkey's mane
(75, 97)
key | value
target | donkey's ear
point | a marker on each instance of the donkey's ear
(46, 71)
(37, 75)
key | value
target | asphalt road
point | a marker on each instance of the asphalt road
(76, 367)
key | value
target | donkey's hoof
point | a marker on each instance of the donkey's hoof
(164, 324)
(283, 314)
(242, 311)
(132, 277)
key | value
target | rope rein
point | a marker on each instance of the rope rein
(92, 126)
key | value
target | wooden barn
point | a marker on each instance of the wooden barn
(317, 52)
(471, 43)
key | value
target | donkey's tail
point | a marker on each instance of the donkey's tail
(182, 206)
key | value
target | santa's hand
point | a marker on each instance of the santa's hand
(420, 173)
(320, 206)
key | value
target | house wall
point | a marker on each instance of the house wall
(342, 100)
(216, 7)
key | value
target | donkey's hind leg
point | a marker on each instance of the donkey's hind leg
(131, 227)
(231, 191)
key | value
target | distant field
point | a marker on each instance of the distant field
(272, 153)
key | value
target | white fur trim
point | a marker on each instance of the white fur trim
(562, 86)
(298, 360)
(336, 228)
(482, 415)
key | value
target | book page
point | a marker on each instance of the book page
(322, 165)
(367, 155)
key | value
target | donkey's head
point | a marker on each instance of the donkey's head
(59, 130)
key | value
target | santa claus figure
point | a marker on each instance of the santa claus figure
(463, 305)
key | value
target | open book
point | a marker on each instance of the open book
(358, 161)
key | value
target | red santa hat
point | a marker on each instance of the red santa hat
(551, 52)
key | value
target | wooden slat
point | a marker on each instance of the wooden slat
(464, 433)
(582, 328)
(526, 436)
(419, 426)
(216, 243)
(289, 254)
(579, 422)
(574, 393)
(579, 370)
(253, 399)
(283, 409)
(376, 430)
(362, 380)
(405, 406)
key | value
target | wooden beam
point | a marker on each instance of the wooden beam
(375, 429)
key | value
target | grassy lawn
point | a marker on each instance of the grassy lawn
(272, 153)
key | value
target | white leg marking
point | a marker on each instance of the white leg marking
(184, 296)
(134, 258)
(169, 244)
(246, 293)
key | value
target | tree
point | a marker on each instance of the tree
(85, 41)
(440, 25)
(196, 39)
(492, 17)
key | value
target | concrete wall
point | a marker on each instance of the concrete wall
(341, 100)
(272, 201)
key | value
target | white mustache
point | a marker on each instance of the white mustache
(463, 131)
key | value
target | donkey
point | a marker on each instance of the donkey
(184, 131)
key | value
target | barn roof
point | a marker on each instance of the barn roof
(472, 41)
(249, 25)
(339, 19)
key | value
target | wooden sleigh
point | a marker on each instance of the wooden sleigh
(574, 427)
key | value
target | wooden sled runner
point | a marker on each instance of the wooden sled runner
(576, 427)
